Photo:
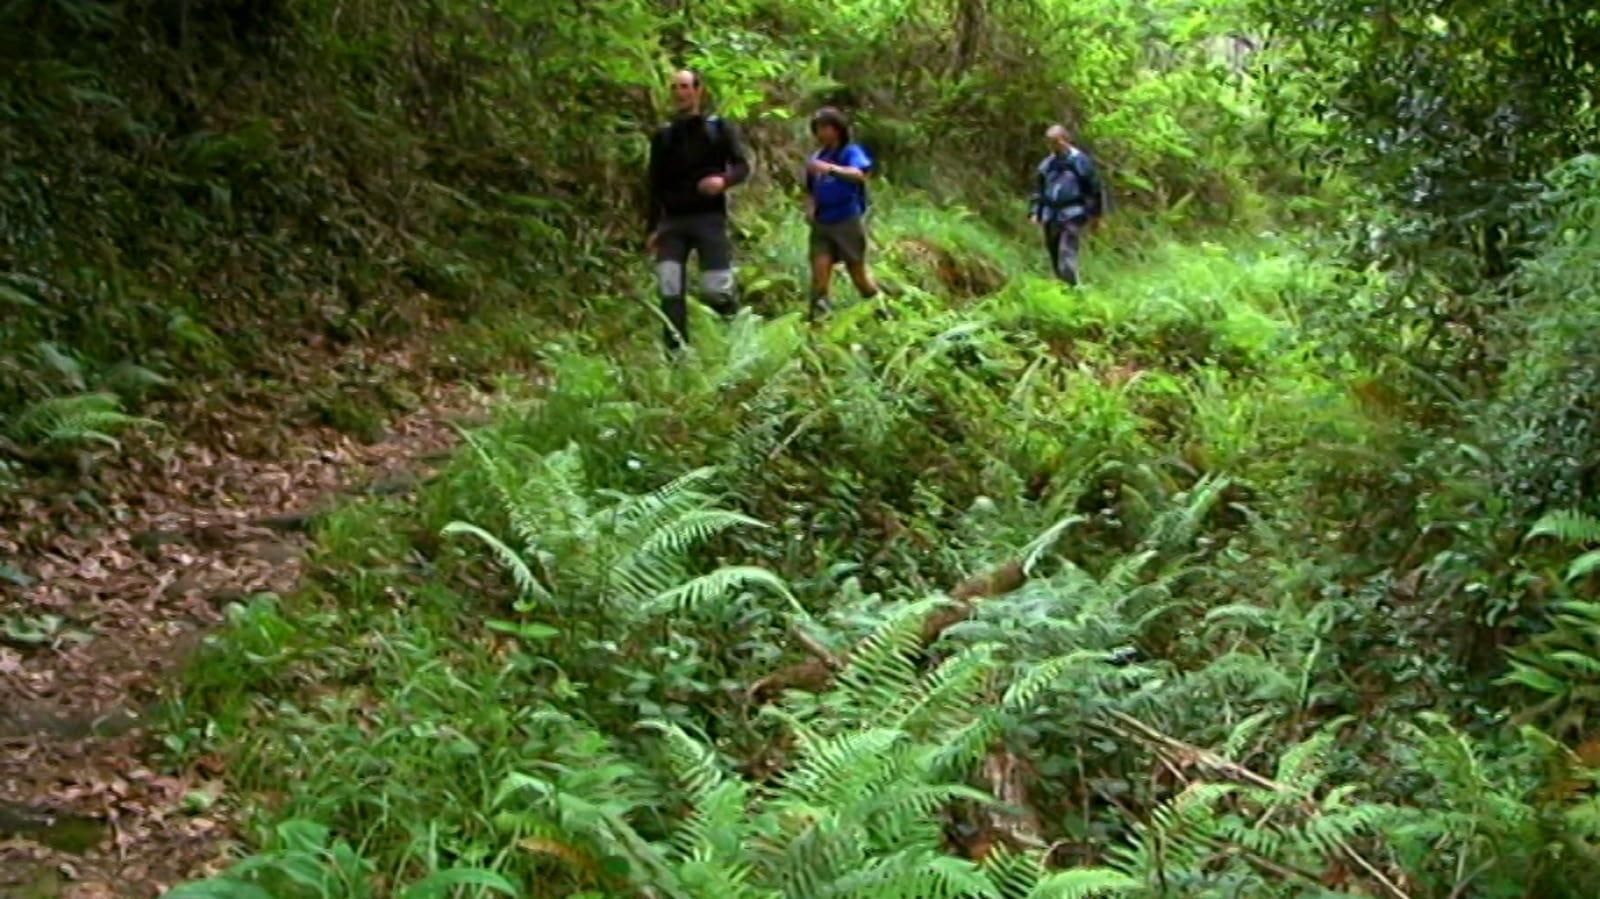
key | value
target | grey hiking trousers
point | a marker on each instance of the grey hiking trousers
(706, 235)
(1062, 240)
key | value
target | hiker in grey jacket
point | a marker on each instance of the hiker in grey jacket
(1066, 201)
(694, 160)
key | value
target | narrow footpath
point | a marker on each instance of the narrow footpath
(105, 591)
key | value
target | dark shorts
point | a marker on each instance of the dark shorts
(706, 235)
(844, 241)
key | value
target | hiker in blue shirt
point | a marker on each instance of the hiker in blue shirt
(836, 202)
(1066, 201)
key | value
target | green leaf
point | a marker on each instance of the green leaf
(218, 888)
(1567, 526)
(31, 630)
(508, 558)
(1082, 883)
(16, 297)
(438, 882)
(63, 363)
(1583, 564)
(301, 835)
(528, 630)
(15, 576)
(718, 584)
(1533, 679)
(1578, 660)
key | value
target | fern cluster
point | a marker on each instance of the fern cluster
(73, 419)
(631, 554)
(857, 809)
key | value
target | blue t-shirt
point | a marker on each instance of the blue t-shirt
(839, 199)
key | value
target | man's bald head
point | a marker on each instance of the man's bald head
(687, 92)
(1058, 136)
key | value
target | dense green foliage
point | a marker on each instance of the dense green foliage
(1263, 565)
(193, 186)
(1446, 118)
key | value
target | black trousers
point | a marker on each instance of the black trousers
(707, 237)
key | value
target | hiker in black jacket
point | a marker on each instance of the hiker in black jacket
(694, 160)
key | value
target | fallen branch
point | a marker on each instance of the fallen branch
(813, 675)
(20, 452)
(817, 673)
(986, 585)
(816, 648)
(1014, 819)
(1187, 754)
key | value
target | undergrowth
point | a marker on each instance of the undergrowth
(1247, 569)
(1023, 592)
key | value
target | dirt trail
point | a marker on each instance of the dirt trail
(104, 592)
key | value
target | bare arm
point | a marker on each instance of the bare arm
(847, 172)
(855, 165)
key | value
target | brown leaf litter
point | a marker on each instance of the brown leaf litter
(111, 585)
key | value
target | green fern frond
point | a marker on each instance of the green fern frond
(1303, 766)
(1583, 565)
(1014, 874)
(692, 762)
(1083, 883)
(672, 498)
(910, 802)
(706, 878)
(693, 527)
(913, 874)
(527, 584)
(643, 577)
(1331, 833)
(1177, 528)
(1580, 616)
(1125, 573)
(1244, 615)
(1025, 690)
(1041, 544)
(851, 758)
(77, 418)
(1173, 836)
(541, 496)
(1248, 674)
(719, 826)
(713, 587)
(944, 700)
(1242, 732)
(1568, 526)
(882, 668)
(1264, 840)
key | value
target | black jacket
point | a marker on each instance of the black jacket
(684, 151)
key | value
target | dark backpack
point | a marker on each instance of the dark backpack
(715, 130)
(1064, 185)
